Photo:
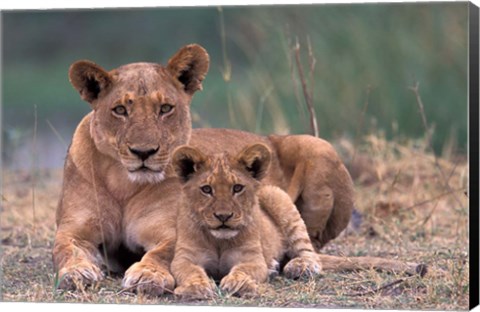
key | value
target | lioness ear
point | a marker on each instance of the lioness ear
(256, 160)
(190, 66)
(187, 161)
(89, 79)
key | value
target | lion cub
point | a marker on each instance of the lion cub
(233, 229)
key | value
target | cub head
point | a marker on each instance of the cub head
(141, 110)
(220, 190)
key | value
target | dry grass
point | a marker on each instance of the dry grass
(408, 213)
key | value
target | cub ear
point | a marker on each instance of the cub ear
(186, 161)
(89, 79)
(190, 66)
(256, 160)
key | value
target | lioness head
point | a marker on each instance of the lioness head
(220, 190)
(141, 110)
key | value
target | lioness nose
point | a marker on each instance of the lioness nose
(143, 154)
(223, 216)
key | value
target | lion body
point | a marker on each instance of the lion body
(119, 191)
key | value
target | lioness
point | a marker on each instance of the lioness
(231, 229)
(119, 194)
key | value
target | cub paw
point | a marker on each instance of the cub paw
(273, 270)
(197, 289)
(78, 275)
(239, 284)
(148, 279)
(302, 267)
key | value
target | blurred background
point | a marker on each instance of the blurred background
(358, 60)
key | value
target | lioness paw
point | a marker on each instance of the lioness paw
(196, 290)
(78, 275)
(302, 267)
(239, 284)
(148, 279)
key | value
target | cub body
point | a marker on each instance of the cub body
(232, 228)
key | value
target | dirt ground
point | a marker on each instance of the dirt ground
(412, 207)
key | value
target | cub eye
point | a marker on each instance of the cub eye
(207, 189)
(165, 108)
(120, 110)
(237, 188)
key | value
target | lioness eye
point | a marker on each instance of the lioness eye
(120, 110)
(207, 189)
(237, 188)
(165, 108)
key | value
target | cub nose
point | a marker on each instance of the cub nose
(143, 154)
(223, 217)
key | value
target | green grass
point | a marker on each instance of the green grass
(384, 48)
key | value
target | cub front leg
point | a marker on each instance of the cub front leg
(243, 279)
(192, 280)
(302, 267)
(278, 205)
(249, 268)
(152, 275)
(305, 262)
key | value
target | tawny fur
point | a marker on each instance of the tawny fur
(235, 236)
(117, 169)
(118, 186)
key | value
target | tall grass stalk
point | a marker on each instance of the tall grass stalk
(308, 96)
(295, 83)
(34, 165)
(227, 69)
(415, 90)
(100, 223)
(261, 108)
(57, 134)
(360, 124)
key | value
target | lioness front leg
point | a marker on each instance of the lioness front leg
(77, 260)
(152, 275)
(82, 228)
